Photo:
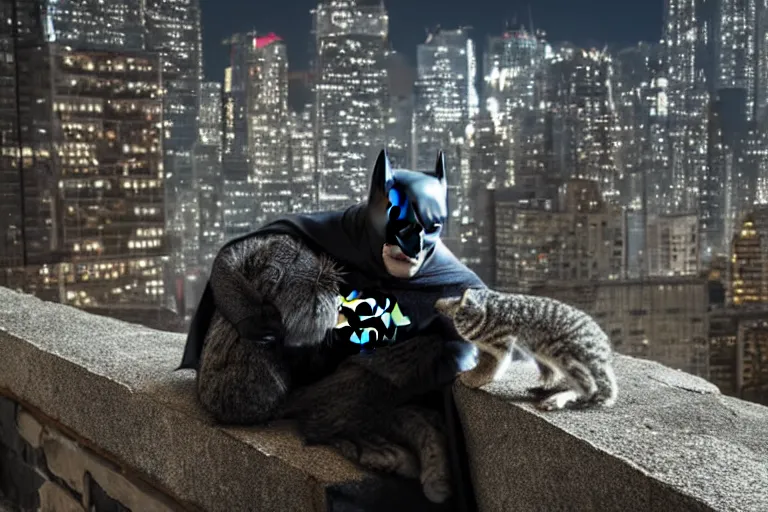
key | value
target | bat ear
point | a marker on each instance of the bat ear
(440, 166)
(382, 179)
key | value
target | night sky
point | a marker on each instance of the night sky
(583, 22)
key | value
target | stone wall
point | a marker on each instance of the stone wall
(44, 469)
(108, 424)
(94, 417)
(672, 443)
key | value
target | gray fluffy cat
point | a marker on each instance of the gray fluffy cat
(243, 382)
(568, 344)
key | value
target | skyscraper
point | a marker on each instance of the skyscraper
(173, 31)
(350, 96)
(268, 127)
(513, 66)
(207, 174)
(239, 193)
(736, 50)
(445, 99)
(582, 117)
(99, 25)
(26, 153)
(107, 213)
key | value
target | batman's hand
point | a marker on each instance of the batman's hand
(264, 328)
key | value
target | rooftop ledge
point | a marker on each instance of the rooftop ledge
(92, 413)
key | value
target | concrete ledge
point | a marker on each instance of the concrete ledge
(109, 387)
(671, 443)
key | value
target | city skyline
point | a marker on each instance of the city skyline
(601, 22)
(628, 174)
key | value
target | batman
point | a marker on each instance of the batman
(328, 318)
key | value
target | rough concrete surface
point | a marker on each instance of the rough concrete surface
(113, 384)
(671, 443)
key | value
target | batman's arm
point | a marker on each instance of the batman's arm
(237, 299)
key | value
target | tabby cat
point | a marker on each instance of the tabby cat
(568, 345)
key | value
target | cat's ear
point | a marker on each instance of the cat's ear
(447, 305)
(382, 179)
(440, 168)
(471, 298)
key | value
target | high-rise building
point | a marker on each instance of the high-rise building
(483, 149)
(513, 68)
(107, 212)
(582, 117)
(738, 344)
(634, 67)
(736, 51)
(26, 173)
(210, 127)
(173, 31)
(99, 25)
(673, 245)
(663, 319)
(748, 272)
(400, 76)
(268, 127)
(445, 100)
(302, 158)
(580, 239)
(207, 173)
(239, 192)
(350, 96)
(170, 28)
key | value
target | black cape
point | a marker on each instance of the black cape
(347, 238)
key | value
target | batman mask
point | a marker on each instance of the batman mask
(416, 207)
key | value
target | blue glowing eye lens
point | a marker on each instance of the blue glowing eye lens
(398, 200)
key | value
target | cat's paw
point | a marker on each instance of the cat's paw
(437, 489)
(549, 379)
(558, 400)
(389, 458)
(475, 380)
(347, 448)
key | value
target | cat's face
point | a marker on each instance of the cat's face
(467, 311)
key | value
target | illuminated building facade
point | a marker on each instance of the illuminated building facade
(739, 353)
(736, 50)
(673, 245)
(483, 148)
(302, 161)
(109, 218)
(445, 95)
(238, 191)
(350, 96)
(583, 117)
(445, 100)
(99, 25)
(173, 31)
(24, 210)
(663, 319)
(399, 130)
(513, 67)
(748, 273)
(170, 28)
(207, 172)
(633, 71)
(582, 239)
(210, 129)
(268, 127)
